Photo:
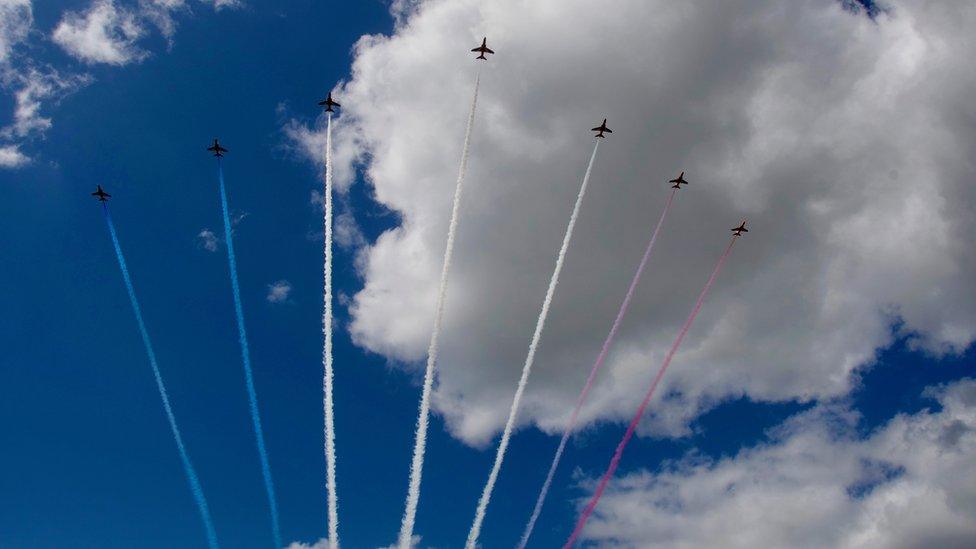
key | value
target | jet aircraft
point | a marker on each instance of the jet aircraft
(602, 128)
(678, 181)
(217, 149)
(483, 49)
(101, 194)
(328, 103)
(740, 229)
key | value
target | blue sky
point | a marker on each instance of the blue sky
(87, 457)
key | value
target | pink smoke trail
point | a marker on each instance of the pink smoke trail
(589, 381)
(615, 461)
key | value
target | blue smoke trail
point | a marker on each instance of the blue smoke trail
(246, 356)
(191, 474)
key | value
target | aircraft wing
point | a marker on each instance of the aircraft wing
(488, 50)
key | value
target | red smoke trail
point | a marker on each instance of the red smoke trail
(589, 381)
(615, 461)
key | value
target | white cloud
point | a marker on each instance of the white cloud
(279, 292)
(911, 484)
(845, 140)
(414, 542)
(317, 199)
(320, 544)
(16, 18)
(32, 87)
(237, 218)
(106, 33)
(346, 231)
(208, 240)
(11, 157)
(222, 4)
(309, 143)
(324, 544)
(160, 13)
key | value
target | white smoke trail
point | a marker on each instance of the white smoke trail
(479, 515)
(420, 442)
(330, 457)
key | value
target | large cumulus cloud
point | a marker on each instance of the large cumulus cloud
(844, 139)
(912, 484)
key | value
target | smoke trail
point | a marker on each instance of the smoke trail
(246, 358)
(420, 442)
(589, 380)
(615, 461)
(479, 515)
(330, 457)
(191, 474)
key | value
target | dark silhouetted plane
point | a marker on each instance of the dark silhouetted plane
(678, 181)
(102, 195)
(740, 229)
(602, 128)
(483, 49)
(328, 103)
(216, 148)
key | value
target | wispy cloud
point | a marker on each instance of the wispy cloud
(160, 14)
(28, 84)
(16, 18)
(238, 218)
(325, 544)
(279, 291)
(106, 33)
(224, 4)
(32, 87)
(347, 233)
(305, 140)
(320, 544)
(11, 157)
(208, 240)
